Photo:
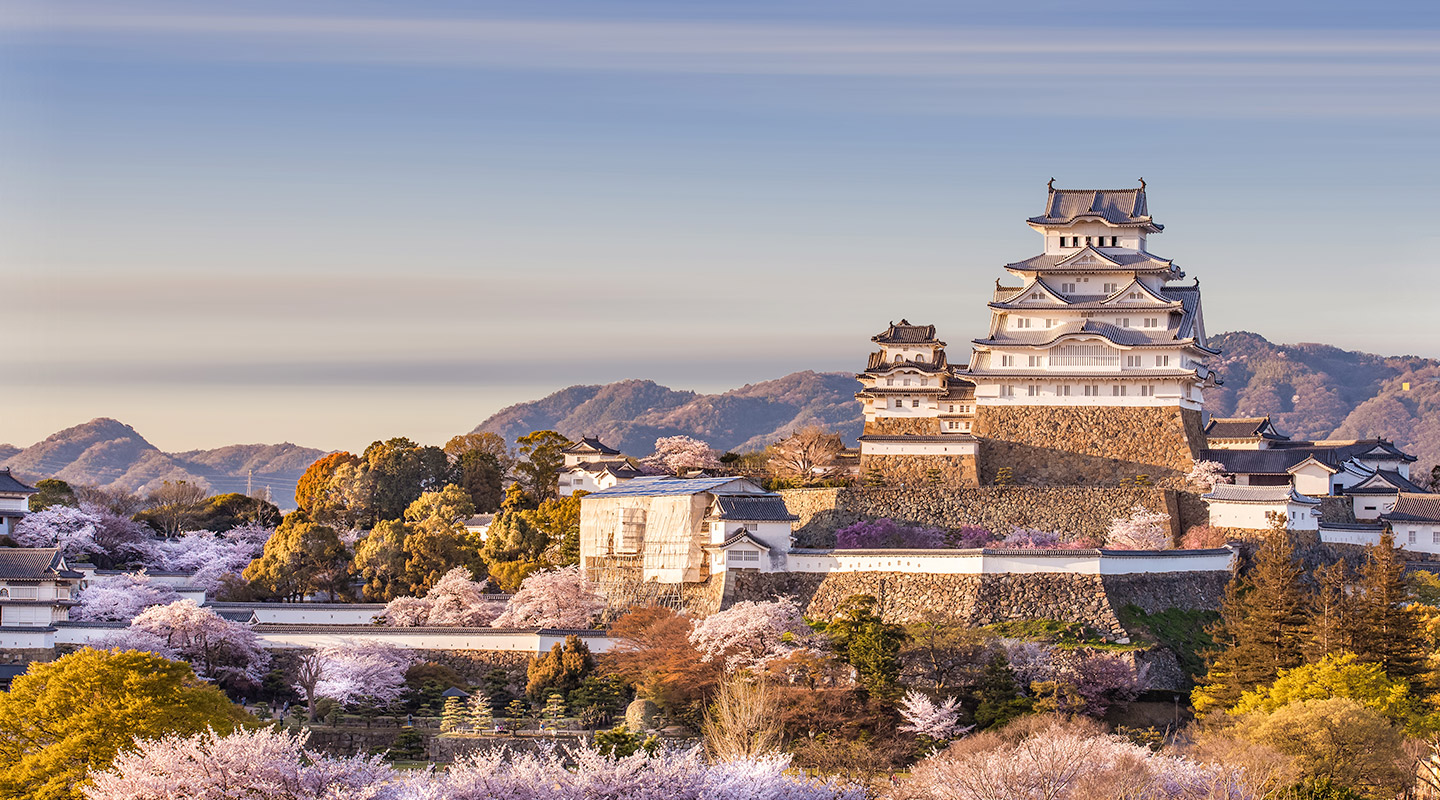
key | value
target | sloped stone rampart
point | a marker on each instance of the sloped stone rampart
(915, 471)
(1086, 445)
(1084, 511)
(895, 426)
(619, 579)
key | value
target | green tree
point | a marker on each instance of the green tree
(1334, 741)
(1341, 675)
(554, 707)
(1388, 629)
(314, 492)
(562, 669)
(997, 695)
(403, 470)
(1332, 622)
(482, 477)
(52, 492)
(491, 444)
(516, 534)
(65, 719)
(225, 512)
(541, 460)
(301, 557)
(1262, 626)
(406, 558)
(517, 712)
(869, 644)
(452, 715)
(380, 560)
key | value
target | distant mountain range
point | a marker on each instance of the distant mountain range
(1310, 390)
(631, 415)
(108, 453)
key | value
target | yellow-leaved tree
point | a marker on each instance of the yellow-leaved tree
(62, 721)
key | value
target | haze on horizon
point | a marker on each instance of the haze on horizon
(334, 222)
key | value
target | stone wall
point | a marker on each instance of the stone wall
(915, 471)
(1072, 511)
(896, 426)
(1086, 445)
(618, 577)
(1337, 509)
(986, 599)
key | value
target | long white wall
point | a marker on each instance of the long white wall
(994, 562)
(308, 613)
(298, 636)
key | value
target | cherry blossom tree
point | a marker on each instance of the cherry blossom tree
(210, 556)
(356, 671)
(557, 598)
(886, 533)
(675, 454)
(1142, 529)
(135, 639)
(924, 717)
(216, 648)
(455, 601)
(120, 598)
(805, 454)
(1035, 539)
(256, 763)
(974, 536)
(1205, 474)
(66, 527)
(121, 539)
(750, 634)
(1031, 662)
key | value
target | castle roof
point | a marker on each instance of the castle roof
(1384, 481)
(1125, 337)
(34, 563)
(1117, 207)
(1411, 507)
(1089, 259)
(905, 333)
(752, 508)
(877, 363)
(1230, 493)
(590, 444)
(1284, 454)
(1242, 428)
(619, 469)
(9, 485)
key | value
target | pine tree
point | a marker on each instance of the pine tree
(517, 712)
(554, 707)
(1331, 628)
(480, 716)
(1388, 632)
(1262, 625)
(451, 715)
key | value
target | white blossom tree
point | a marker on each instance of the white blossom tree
(924, 717)
(806, 453)
(455, 601)
(357, 670)
(1205, 474)
(407, 612)
(262, 763)
(675, 454)
(120, 598)
(1142, 529)
(750, 634)
(216, 648)
(557, 598)
(135, 639)
(70, 529)
(209, 556)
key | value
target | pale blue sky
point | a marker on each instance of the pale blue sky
(334, 222)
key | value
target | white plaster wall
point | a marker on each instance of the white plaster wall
(1254, 515)
(14, 502)
(1369, 507)
(39, 638)
(311, 613)
(1416, 536)
(1333, 536)
(408, 638)
(1312, 479)
(956, 448)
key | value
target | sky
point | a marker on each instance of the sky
(334, 222)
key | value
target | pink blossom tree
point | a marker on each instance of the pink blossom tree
(886, 533)
(68, 528)
(974, 536)
(749, 634)
(262, 763)
(120, 598)
(356, 671)
(1141, 529)
(120, 539)
(924, 717)
(210, 556)
(676, 454)
(455, 601)
(218, 649)
(557, 598)
(135, 639)
(407, 612)
(1205, 474)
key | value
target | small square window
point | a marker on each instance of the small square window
(914, 403)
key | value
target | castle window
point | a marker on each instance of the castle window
(1147, 391)
(1152, 322)
(1092, 391)
(914, 403)
(1067, 287)
(1050, 323)
(1087, 241)
(897, 358)
(1034, 295)
(919, 358)
(1007, 391)
(889, 381)
(1412, 537)
(1022, 322)
(1033, 390)
(1062, 390)
(1162, 361)
(1118, 391)
(899, 402)
(952, 409)
(1034, 361)
(905, 381)
(1132, 361)
(1007, 361)
(1435, 537)
(952, 425)
(1111, 288)
(1124, 322)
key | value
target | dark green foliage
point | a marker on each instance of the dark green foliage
(869, 644)
(598, 700)
(224, 512)
(1064, 634)
(409, 746)
(1184, 632)
(1388, 629)
(619, 743)
(561, 669)
(426, 681)
(998, 696)
(52, 492)
(481, 475)
(401, 471)
(541, 460)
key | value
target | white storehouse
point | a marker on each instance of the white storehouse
(1415, 521)
(14, 501)
(1096, 319)
(1253, 507)
(591, 465)
(36, 587)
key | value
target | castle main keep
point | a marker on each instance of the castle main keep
(1093, 369)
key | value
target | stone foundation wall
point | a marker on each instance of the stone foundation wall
(1337, 509)
(1072, 511)
(618, 577)
(1086, 445)
(896, 426)
(915, 471)
(987, 599)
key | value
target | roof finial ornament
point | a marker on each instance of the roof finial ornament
(1050, 185)
(1142, 184)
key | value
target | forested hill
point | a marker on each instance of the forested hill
(632, 414)
(108, 453)
(1318, 391)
